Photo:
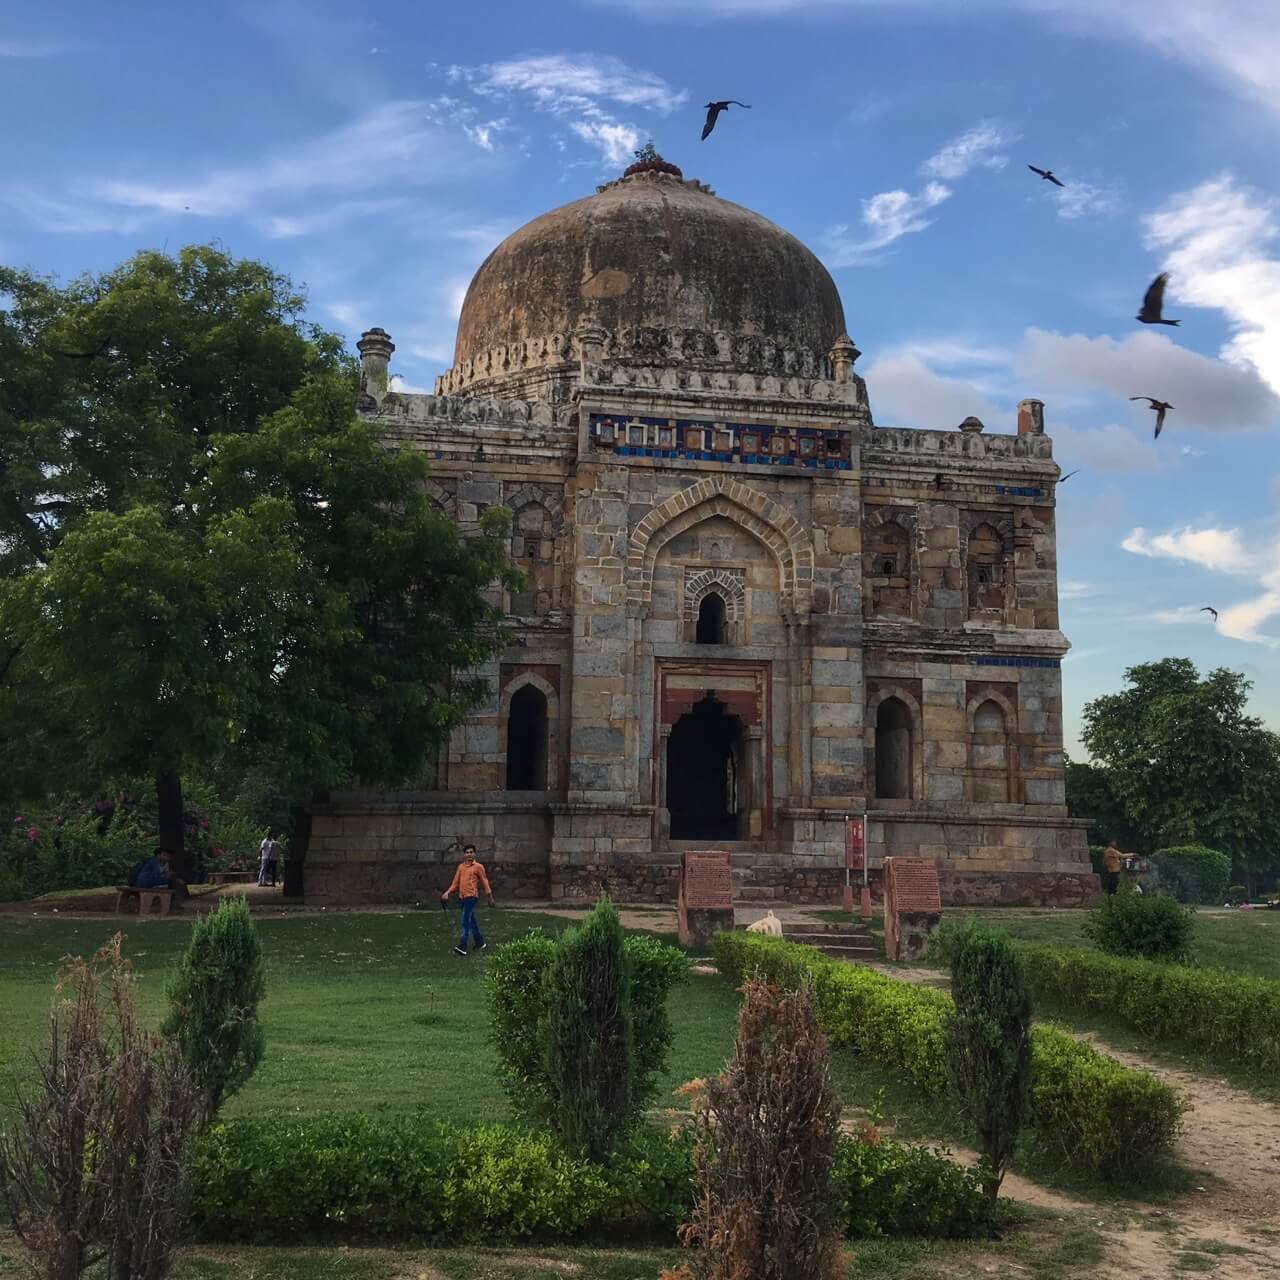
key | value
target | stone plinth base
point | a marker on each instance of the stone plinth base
(698, 925)
(915, 931)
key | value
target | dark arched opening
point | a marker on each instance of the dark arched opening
(527, 740)
(704, 761)
(893, 750)
(710, 619)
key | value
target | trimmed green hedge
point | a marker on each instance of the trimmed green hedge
(355, 1177)
(1087, 1109)
(1231, 1016)
(1193, 873)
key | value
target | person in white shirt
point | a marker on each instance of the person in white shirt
(267, 859)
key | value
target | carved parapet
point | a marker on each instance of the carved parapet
(894, 442)
(479, 410)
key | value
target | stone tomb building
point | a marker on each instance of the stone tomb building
(748, 611)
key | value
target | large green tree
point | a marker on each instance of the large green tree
(203, 553)
(1186, 763)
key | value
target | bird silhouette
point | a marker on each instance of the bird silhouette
(1210, 609)
(1064, 479)
(1047, 175)
(713, 113)
(1153, 302)
(1159, 406)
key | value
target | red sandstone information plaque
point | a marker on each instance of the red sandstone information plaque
(707, 880)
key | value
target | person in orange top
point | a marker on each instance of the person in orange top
(468, 880)
(1110, 868)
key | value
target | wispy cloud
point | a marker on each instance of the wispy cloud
(585, 90)
(1218, 242)
(1085, 200)
(393, 141)
(1234, 41)
(981, 147)
(886, 217)
(1208, 393)
(30, 48)
(1110, 449)
(906, 392)
(1253, 555)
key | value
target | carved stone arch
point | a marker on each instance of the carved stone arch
(529, 493)
(772, 524)
(729, 584)
(1001, 700)
(444, 499)
(1000, 521)
(552, 696)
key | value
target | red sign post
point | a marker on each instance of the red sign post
(855, 859)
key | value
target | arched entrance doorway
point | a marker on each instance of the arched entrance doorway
(527, 740)
(705, 773)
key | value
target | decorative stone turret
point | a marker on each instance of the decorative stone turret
(1030, 417)
(844, 355)
(375, 347)
(971, 424)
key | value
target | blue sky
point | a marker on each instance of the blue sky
(377, 154)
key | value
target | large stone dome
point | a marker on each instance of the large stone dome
(651, 251)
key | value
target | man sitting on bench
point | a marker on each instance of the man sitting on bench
(156, 873)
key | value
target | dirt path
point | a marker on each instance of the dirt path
(1227, 1226)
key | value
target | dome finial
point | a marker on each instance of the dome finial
(649, 161)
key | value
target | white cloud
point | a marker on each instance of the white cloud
(1254, 556)
(29, 49)
(617, 143)
(1207, 393)
(393, 141)
(906, 392)
(404, 387)
(977, 148)
(1111, 448)
(348, 314)
(1068, 590)
(1235, 41)
(886, 217)
(570, 83)
(583, 89)
(1215, 239)
(1084, 200)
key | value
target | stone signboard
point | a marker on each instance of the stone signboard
(705, 902)
(912, 906)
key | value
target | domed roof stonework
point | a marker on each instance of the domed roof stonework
(652, 251)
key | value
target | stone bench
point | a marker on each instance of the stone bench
(159, 900)
(230, 877)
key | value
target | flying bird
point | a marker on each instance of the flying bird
(1210, 609)
(1047, 175)
(1159, 406)
(1153, 302)
(1064, 479)
(713, 113)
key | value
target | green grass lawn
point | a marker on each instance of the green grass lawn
(346, 1011)
(1246, 941)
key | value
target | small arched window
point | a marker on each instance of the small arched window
(986, 570)
(710, 619)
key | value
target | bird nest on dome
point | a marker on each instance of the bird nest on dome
(649, 161)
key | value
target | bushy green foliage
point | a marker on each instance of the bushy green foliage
(1192, 873)
(356, 1177)
(988, 1045)
(1087, 1109)
(891, 1188)
(514, 993)
(586, 1035)
(1231, 1016)
(1151, 925)
(214, 996)
(1237, 893)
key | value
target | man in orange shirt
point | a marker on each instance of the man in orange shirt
(1110, 868)
(468, 880)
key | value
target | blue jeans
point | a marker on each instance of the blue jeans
(469, 923)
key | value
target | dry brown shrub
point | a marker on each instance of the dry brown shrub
(93, 1167)
(767, 1131)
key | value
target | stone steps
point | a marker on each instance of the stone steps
(841, 939)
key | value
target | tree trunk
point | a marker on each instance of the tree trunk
(299, 839)
(171, 829)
